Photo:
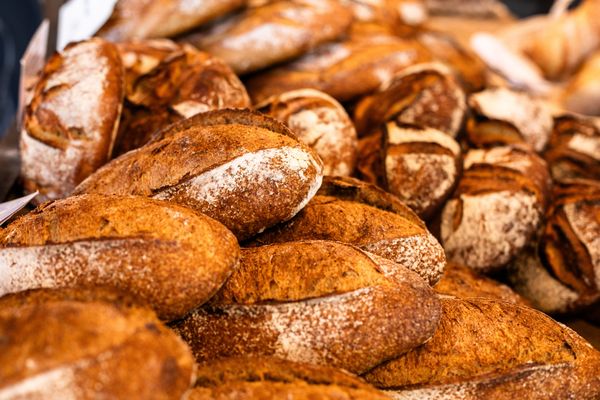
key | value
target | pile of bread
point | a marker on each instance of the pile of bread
(295, 199)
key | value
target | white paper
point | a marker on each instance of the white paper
(10, 208)
(80, 19)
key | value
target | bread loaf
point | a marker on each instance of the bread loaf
(464, 283)
(426, 95)
(319, 121)
(419, 165)
(69, 127)
(574, 148)
(227, 164)
(314, 301)
(185, 83)
(273, 32)
(167, 256)
(140, 19)
(564, 274)
(268, 377)
(351, 211)
(68, 345)
(389, 12)
(497, 207)
(502, 116)
(345, 70)
(487, 349)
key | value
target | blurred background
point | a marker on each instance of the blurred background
(19, 20)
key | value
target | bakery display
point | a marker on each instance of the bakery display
(257, 199)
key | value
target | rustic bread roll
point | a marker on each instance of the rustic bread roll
(574, 148)
(419, 165)
(243, 169)
(496, 209)
(271, 378)
(315, 301)
(140, 19)
(389, 12)
(488, 349)
(69, 127)
(425, 94)
(565, 273)
(167, 256)
(503, 116)
(270, 33)
(66, 345)
(465, 64)
(345, 70)
(185, 83)
(350, 211)
(464, 283)
(319, 121)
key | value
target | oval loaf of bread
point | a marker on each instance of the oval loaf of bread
(168, 256)
(314, 301)
(70, 125)
(488, 349)
(243, 169)
(249, 378)
(60, 345)
(350, 211)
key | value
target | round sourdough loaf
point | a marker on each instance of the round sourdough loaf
(168, 256)
(314, 301)
(246, 378)
(70, 125)
(269, 33)
(419, 165)
(497, 207)
(350, 211)
(72, 345)
(426, 95)
(488, 349)
(319, 121)
(140, 19)
(243, 169)
(185, 82)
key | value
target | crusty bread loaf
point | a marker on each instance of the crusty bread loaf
(419, 165)
(272, 378)
(426, 95)
(273, 32)
(69, 345)
(228, 164)
(563, 275)
(350, 68)
(319, 121)
(488, 349)
(464, 283)
(497, 207)
(574, 148)
(314, 301)
(502, 116)
(184, 83)
(140, 19)
(351, 211)
(388, 12)
(169, 257)
(70, 125)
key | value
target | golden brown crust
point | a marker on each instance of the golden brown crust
(165, 255)
(367, 61)
(464, 283)
(270, 33)
(64, 346)
(496, 350)
(140, 19)
(184, 83)
(70, 124)
(346, 314)
(224, 164)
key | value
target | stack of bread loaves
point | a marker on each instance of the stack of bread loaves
(256, 199)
